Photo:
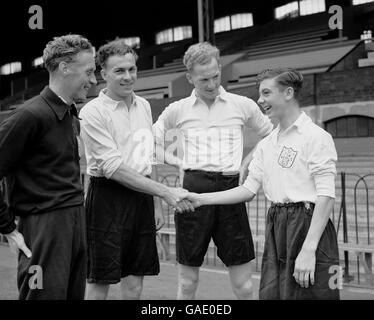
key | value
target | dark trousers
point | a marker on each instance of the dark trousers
(57, 267)
(227, 225)
(286, 228)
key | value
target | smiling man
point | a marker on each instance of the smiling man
(39, 156)
(295, 165)
(118, 139)
(211, 123)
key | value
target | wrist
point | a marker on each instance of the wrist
(310, 246)
(163, 191)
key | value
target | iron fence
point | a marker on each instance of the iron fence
(352, 217)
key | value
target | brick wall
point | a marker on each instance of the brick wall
(330, 87)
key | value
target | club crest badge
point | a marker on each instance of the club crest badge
(287, 157)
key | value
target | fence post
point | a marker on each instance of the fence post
(345, 229)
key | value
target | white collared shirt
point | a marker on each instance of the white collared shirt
(212, 137)
(298, 166)
(113, 133)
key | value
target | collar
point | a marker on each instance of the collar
(58, 106)
(222, 94)
(300, 124)
(113, 104)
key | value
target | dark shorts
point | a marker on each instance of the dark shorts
(57, 240)
(286, 228)
(228, 225)
(121, 233)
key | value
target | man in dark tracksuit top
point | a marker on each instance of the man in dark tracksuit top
(39, 156)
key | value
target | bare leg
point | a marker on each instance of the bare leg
(188, 279)
(96, 291)
(241, 281)
(131, 287)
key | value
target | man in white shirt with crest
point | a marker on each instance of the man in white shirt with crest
(296, 167)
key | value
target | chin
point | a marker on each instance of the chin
(80, 97)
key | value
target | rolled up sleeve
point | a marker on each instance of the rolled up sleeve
(322, 164)
(99, 144)
(256, 119)
(166, 121)
(255, 171)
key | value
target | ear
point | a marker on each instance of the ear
(189, 78)
(103, 73)
(289, 93)
(63, 67)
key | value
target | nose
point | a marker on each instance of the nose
(126, 75)
(211, 84)
(93, 79)
(260, 100)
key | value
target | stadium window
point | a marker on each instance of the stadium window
(288, 10)
(236, 21)
(133, 42)
(10, 68)
(351, 127)
(357, 2)
(37, 62)
(241, 20)
(174, 34)
(222, 24)
(184, 32)
(311, 6)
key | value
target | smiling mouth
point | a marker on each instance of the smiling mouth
(267, 108)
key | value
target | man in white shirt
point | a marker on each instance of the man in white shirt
(211, 122)
(295, 165)
(118, 139)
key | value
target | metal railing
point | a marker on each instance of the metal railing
(354, 225)
(352, 216)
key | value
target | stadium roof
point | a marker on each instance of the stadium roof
(104, 20)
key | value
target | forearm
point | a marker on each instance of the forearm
(133, 180)
(322, 210)
(235, 195)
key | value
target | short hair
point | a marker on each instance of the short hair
(200, 53)
(64, 48)
(285, 77)
(116, 47)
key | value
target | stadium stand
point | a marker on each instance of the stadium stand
(338, 70)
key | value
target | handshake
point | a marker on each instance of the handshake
(181, 200)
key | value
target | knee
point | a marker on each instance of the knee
(188, 285)
(244, 289)
(134, 290)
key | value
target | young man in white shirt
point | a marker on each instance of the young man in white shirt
(211, 123)
(295, 165)
(118, 139)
